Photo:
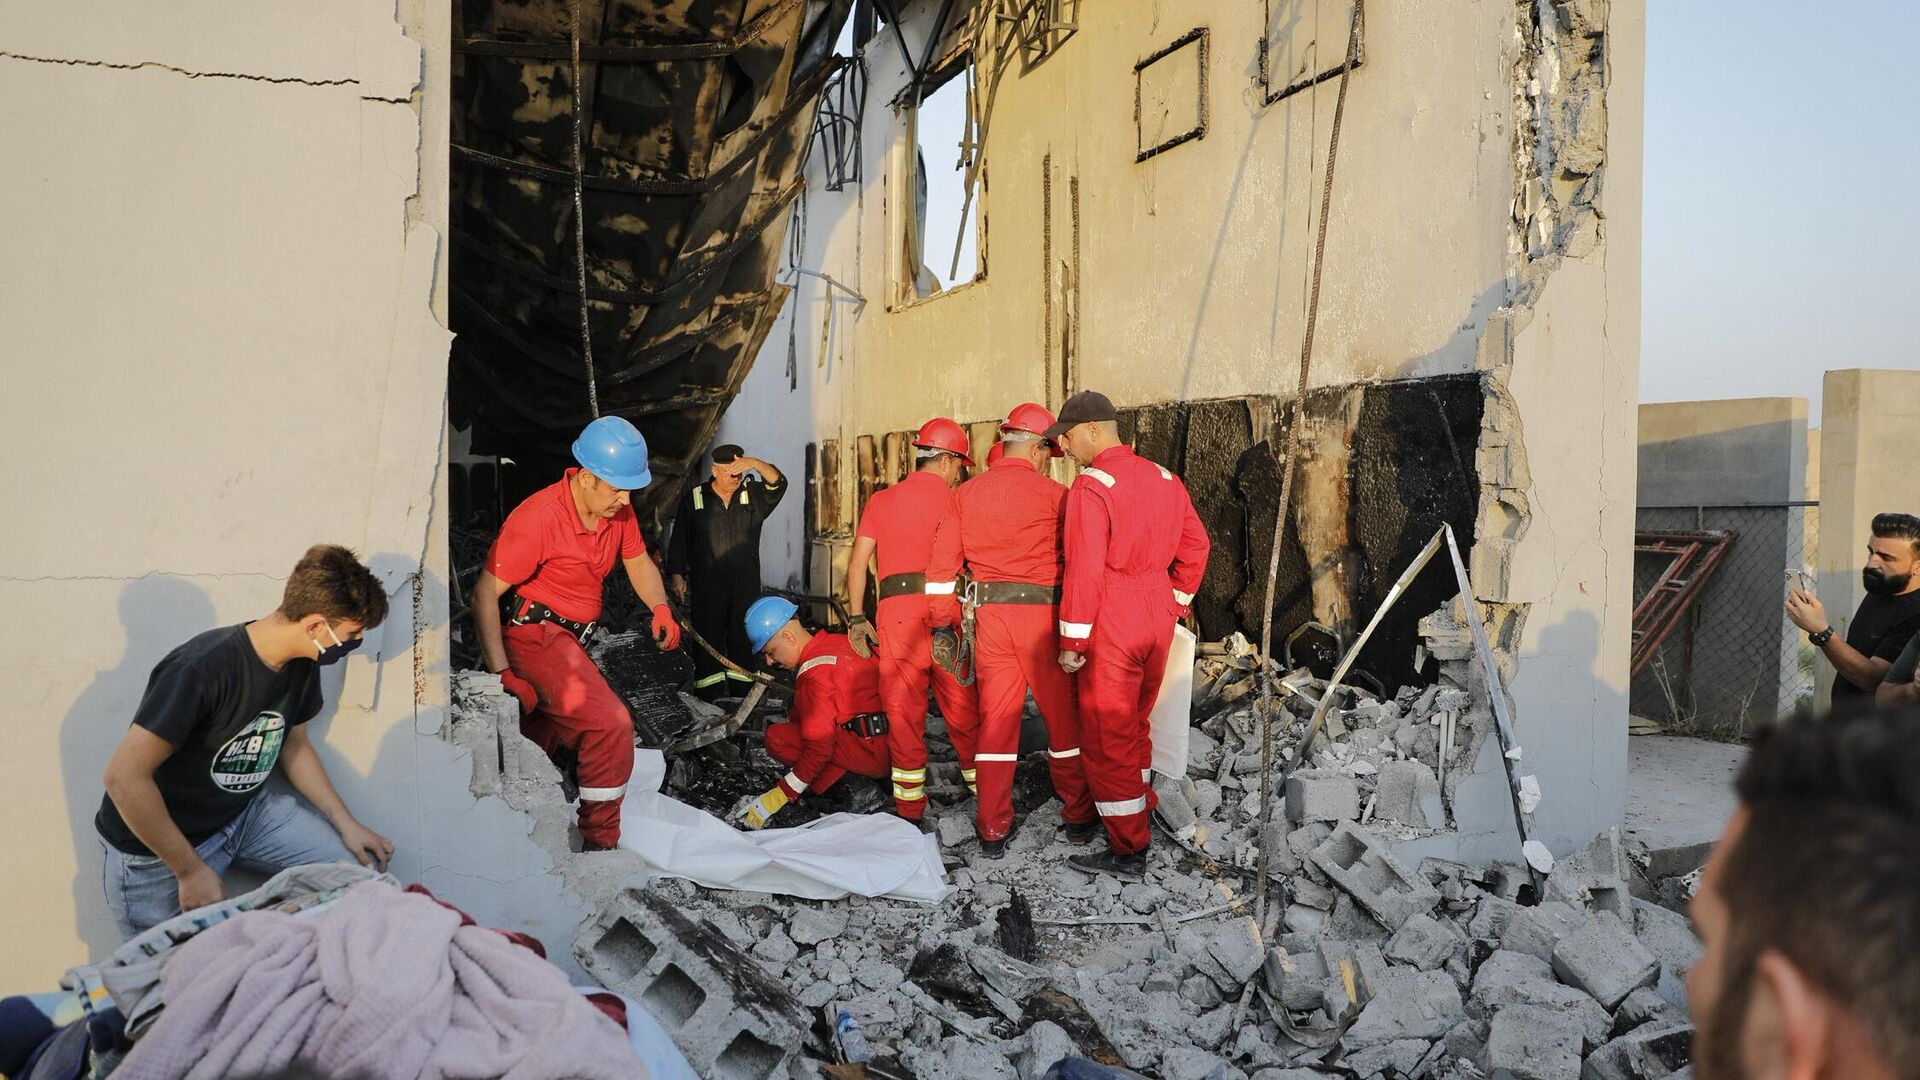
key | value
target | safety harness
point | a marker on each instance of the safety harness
(955, 652)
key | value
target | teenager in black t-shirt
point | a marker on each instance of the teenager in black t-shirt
(1888, 616)
(185, 795)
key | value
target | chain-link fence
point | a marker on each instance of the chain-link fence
(1731, 660)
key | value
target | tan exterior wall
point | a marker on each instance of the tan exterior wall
(223, 323)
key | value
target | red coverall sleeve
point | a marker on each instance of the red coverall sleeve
(816, 708)
(1085, 545)
(1190, 560)
(943, 567)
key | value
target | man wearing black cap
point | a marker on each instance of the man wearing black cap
(1135, 550)
(713, 560)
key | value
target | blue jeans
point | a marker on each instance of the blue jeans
(278, 829)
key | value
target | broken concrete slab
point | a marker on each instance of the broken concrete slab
(1606, 960)
(1237, 947)
(1007, 976)
(1407, 1005)
(1507, 968)
(1376, 879)
(1646, 1006)
(1596, 1027)
(1397, 1058)
(1669, 936)
(813, 925)
(1530, 1043)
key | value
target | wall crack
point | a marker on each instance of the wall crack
(292, 80)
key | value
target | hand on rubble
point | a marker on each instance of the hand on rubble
(1806, 611)
(368, 846)
(666, 628)
(861, 635)
(764, 808)
(1071, 661)
(522, 690)
(199, 887)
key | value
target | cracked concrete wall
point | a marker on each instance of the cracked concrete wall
(223, 311)
(1485, 219)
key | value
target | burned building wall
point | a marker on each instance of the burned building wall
(1482, 243)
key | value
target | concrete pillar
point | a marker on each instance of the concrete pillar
(1867, 423)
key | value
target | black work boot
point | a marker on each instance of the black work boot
(997, 849)
(1125, 867)
(1080, 832)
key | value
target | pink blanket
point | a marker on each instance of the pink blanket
(383, 985)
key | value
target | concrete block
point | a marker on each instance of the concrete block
(1297, 981)
(1369, 965)
(1669, 936)
(1236, 945)
(1530, 1043)
(1424, 942)
(1046, 1043)
(1303, 920)
(954, 829)
(1378, 881)
(1605, 960)
(1491, 917)
(1312, 894)
(1646, 1006)
(1350, 922)
(1647, 1053)
(730, 1017)
(1407, 1005)
(1537, 931)
(1595, 877)
(1315, 796)
(1408, 792)
(1506, 968)
(1596, 1027)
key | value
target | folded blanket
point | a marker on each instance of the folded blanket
(385, 984)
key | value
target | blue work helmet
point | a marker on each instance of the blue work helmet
(765, 617)
(612, 449)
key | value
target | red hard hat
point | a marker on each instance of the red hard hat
(941, 433)
(1033, 419)
(999, 451)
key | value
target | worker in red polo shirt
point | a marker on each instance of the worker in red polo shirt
(543, 581)
(896, 531)
(837, 726)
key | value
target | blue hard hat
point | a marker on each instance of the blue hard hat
(765, 617)
(612, 449)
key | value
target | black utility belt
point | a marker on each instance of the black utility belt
(517, 610)
(902, 585)
(1014, 592)
(868, 725)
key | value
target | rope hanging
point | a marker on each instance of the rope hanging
(580, 216)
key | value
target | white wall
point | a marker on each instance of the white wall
(222, 325)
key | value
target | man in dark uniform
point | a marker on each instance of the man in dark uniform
(713, 560)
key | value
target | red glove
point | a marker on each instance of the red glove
(666, 629)
(521, 689)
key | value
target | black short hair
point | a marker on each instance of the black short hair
(1898, 527)
(1827, 870)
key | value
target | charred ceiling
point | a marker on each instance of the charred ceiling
(694, 121)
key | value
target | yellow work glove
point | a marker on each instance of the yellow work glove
(765, 807)
(861, 635)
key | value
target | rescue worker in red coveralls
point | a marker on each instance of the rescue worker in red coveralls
(896, 530)
(1135, 550)
(838, 725)
(543, 580)
(1004, 528)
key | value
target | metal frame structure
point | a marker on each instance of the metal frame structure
(1692, 559)
(1200, 35)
